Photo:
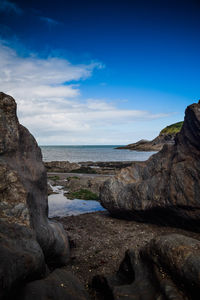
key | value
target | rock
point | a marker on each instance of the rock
(165, 188)
(61, 166)
(105, 167)
(22, 258)
(24, 205)
(87, 167)
(166, 136)
(167, 268)
(90, 183)
(59, 285)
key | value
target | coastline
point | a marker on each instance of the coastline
(99, 241)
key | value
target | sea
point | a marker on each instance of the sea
(92, 153)
(59, 204)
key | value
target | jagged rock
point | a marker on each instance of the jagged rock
(59, 285)
(165, 188)
(166, 136)
(23, 201)
(167, 268)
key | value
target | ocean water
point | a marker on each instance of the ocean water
(92, 153)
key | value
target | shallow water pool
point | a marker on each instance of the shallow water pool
(60, 206)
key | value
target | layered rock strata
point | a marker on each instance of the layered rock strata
(167, 186)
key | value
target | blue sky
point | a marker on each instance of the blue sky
(99, 72)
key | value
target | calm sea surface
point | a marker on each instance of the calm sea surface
(91, 153)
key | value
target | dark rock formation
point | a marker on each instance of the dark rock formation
(167, 186)
(88, 167)
(61, 166)
(59, 285)
(26, 232)
(21, 257)
(166, 136)
(167, 268)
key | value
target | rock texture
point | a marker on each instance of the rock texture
(59, 285)
(88, 167)
(167, 186)
(90, 183)
(166, 136)
(61, 166)
(167, 268)
(26, 233)
(21, 256)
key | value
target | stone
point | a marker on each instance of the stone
(88, 182)
(61, 166)
(168, 267)
(166, 187)
(28, 238)
(59, 285)
(21, 256)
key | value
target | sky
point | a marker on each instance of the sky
(97, 72)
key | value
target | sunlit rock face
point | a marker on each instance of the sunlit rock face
(23, 196)
(165, 188)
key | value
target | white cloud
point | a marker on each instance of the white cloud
(7, 7)
(49, 21)
(50, 106)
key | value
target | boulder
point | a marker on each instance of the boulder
(59, 285)
(87, 182)
(167, 268)
(28, 238)
(21, 257)
(166, 187)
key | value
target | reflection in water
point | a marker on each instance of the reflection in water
(60, 206)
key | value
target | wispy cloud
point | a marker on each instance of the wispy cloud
(49, 21)
(10, 7)
(52, 108)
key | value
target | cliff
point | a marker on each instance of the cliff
(166, 136)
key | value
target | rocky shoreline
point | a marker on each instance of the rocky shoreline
(165, 137)
(87, 167)
(99, 242)
(134, 252)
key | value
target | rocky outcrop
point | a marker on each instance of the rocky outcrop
(28, 239)
(88, 182)
(165, 188)
(61, 166)
(167, 268)
(166, 136)
(88, 167)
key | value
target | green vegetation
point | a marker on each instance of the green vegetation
(172, 129)
(84, 170)
(83, 194)
(56, 177)
(73, 177)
